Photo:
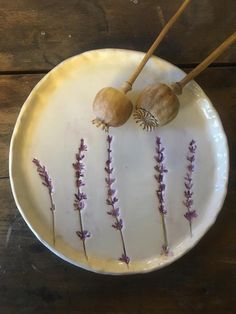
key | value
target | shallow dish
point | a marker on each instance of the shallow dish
(118, 204)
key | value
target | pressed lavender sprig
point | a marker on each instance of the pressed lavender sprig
(161, 171)
(47, 182)
(112, 200)
(80, 196)
(188, 183)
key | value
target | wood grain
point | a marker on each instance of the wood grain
(33, 279)
(37, 35)
(13, 92)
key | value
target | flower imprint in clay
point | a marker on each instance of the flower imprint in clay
(47, 182)
(112, 201)
(80, 196)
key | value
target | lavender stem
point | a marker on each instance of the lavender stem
(47, 182)
(53, 218)
(190, 228)
(161, 171)
(80, 197)
(112, 200)
(164, 231)
(83, 240)
(188, 183)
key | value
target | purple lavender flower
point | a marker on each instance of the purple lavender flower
(80, 196)
(47, 182)
(118, 224)
(112, 200)
(161, 187)
(190, 215)
(188, 183)
(83, 234)
(114, 212)
(124, 258)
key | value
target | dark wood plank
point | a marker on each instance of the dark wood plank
(203, 281)
(37, 35)
(13, 92)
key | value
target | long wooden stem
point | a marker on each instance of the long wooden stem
(204, 64)
(129, 83)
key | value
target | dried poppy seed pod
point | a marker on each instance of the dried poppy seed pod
(111, 107)
(156, 106)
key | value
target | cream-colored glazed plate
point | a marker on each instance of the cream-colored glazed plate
(124, 226)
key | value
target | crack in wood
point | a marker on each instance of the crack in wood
(180, 65)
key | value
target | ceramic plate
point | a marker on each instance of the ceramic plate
(128, 202)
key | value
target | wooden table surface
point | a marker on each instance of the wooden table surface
(34, 37)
